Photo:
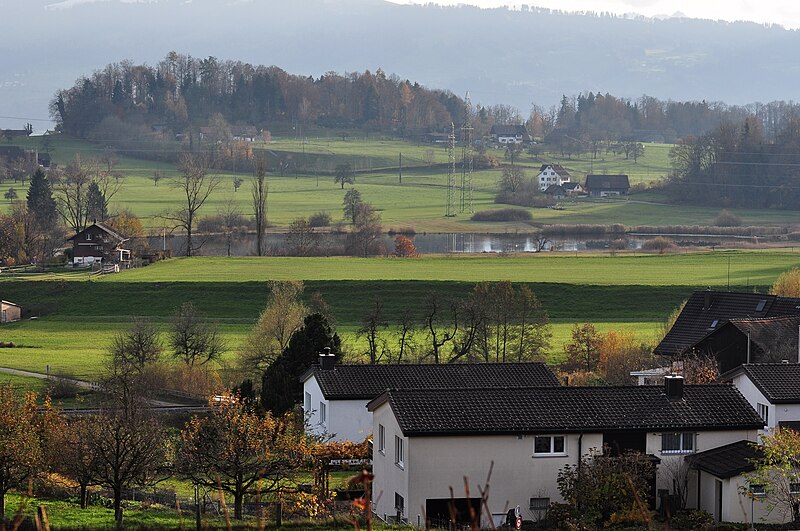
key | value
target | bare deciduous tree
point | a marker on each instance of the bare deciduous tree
(260, 192)
(195, 185)
(193, 340)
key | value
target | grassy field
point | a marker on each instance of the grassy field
(79, 316)
(418, 202)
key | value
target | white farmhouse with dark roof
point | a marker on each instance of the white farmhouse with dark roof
(550, 174)
(773, 389)
(428, 440)
(335, 396)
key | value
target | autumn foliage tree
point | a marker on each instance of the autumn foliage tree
(404, 247)
(23, 437)
(236, 450)
(787, 284)
(583, 350)
(620, 354)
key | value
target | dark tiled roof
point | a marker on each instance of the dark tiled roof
(368, 381)
(558, 168)
(705, 307)
(771, 332)
(105, 228)
(567, 409)
(607, 182)
(554, 189)
(727, 461)
(779, 382)
(571, 185)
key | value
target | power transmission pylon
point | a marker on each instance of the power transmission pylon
(450, 209)
(465, 204)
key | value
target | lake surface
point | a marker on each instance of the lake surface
(216, 245)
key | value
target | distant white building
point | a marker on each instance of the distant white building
(426, 441)
(552, 174)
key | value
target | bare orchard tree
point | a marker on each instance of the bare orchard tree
(260, 192)
(192, 339)
(195, 185)
(372, 323)
(71, 190)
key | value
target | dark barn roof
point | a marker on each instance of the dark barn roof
(705, 307)
(114, 235)
(727, 461)
(567, 409)
(558, 168)
(510, 130)
(350, 382)
(779, 382)
(607, 182)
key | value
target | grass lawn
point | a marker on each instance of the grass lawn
(67, 515)
(418, 202)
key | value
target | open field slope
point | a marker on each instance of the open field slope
(418, 202)
(717, 269)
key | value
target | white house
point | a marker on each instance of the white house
(773, 389)
(550, 174)
(510, 134)
(428, 440)
(335, 396)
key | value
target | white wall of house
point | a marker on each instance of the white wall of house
(509, 139)
(735, 504)
(346, 420)
(671, 462)
(390, 477)
(549, 176)
(776, 413)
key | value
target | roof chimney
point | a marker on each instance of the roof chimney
(673, 387)
(707, 300)
(327, 360)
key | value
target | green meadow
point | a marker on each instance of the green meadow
(417, 202)
(77, 316)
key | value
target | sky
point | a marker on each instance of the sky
(783, 12)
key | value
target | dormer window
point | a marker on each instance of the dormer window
(714, 323)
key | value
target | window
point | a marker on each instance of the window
(794, 488)
(88, 236)
(398, 451)
(307, 403)
(323, 412)
(677, 443)
(760, 305)
(381, 439)
(539, 504)
(763, 412)
(399, 503)
(549, 445)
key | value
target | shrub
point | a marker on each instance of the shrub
(320, 219)
(726, 218)
(692, 519)
(502, 214)
(659, 243)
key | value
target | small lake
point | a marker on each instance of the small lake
(244, 245)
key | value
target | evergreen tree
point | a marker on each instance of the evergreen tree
(96, 209)
(281, 388)
(40, 200)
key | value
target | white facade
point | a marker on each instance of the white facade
(726, 501)
(509, 139)
(431, 465)
(344, 420)
(550, 176)
(773, 414)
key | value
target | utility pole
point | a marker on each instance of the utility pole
(465, 203)
(450, 209)
(400, 168)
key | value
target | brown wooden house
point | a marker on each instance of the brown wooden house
(98, 243)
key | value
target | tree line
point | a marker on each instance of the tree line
(737, 164)
(182, 91)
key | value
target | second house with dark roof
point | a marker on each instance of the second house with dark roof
(426, 441)
(335, 396)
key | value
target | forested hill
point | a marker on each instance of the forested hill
(500, 56)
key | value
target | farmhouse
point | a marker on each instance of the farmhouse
(98, 243)
(428, 440)
(510, 134)
(751, 340)
(607, 185)
(550, 174)
(246, 133)
(556, 191)
(335, 396)
(705, 311)
(9, 312)
(572, 188)
(773, 389)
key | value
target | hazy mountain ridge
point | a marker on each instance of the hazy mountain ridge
(500, 56)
